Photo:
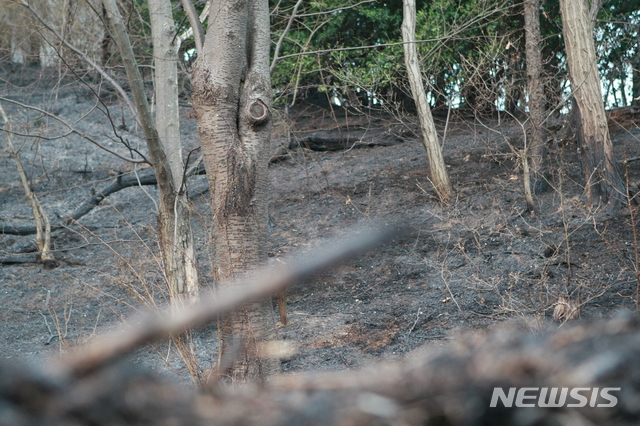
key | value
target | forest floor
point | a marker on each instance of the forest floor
(465, 267)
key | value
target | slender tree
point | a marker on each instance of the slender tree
(176, 234)
(174, 226)
(603, 182)
(232, 100)
(636, 72)
(439, 175)
(535, 148)
(43, 226)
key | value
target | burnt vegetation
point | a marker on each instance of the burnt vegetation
(527, 275)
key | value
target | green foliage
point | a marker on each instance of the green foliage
(463, 34)
(344, 26)
(617, 45)
(472, 51)
(469, 51)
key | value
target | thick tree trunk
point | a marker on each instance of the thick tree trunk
(232, 100)
(603, 182)
(439, 175)
(535, 149)
(174, 227)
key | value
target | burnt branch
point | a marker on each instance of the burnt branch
(145, 177)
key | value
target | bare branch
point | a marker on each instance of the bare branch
(190, 32)
(86, 58)
(457, 31)
(72, 130)
(276, 51)
(145, 177)
(194, 20)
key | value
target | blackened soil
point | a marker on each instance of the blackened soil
(467, 266)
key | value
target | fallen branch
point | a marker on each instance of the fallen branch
(145, 177)
(337, 139)
(319, 140)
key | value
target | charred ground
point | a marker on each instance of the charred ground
(467, 266)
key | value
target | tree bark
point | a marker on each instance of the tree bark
(232, 100)
(165, 58)
(42, 224)
(18, 52)
(174, 226)
(105, 55)
(603, 182)
(196, 25)
(636, 73)
(439, 175)
(175, 230)
(535, 150)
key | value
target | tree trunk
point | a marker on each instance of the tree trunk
(18, 52)
(105, 54)
(439, 175)
(174, 227)
(43, 226)
(175, 230)
(232, 100)
(513, 84)
(603, 182)
(535, 150)
(635, 102)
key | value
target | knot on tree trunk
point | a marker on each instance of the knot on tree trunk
(258, 114)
